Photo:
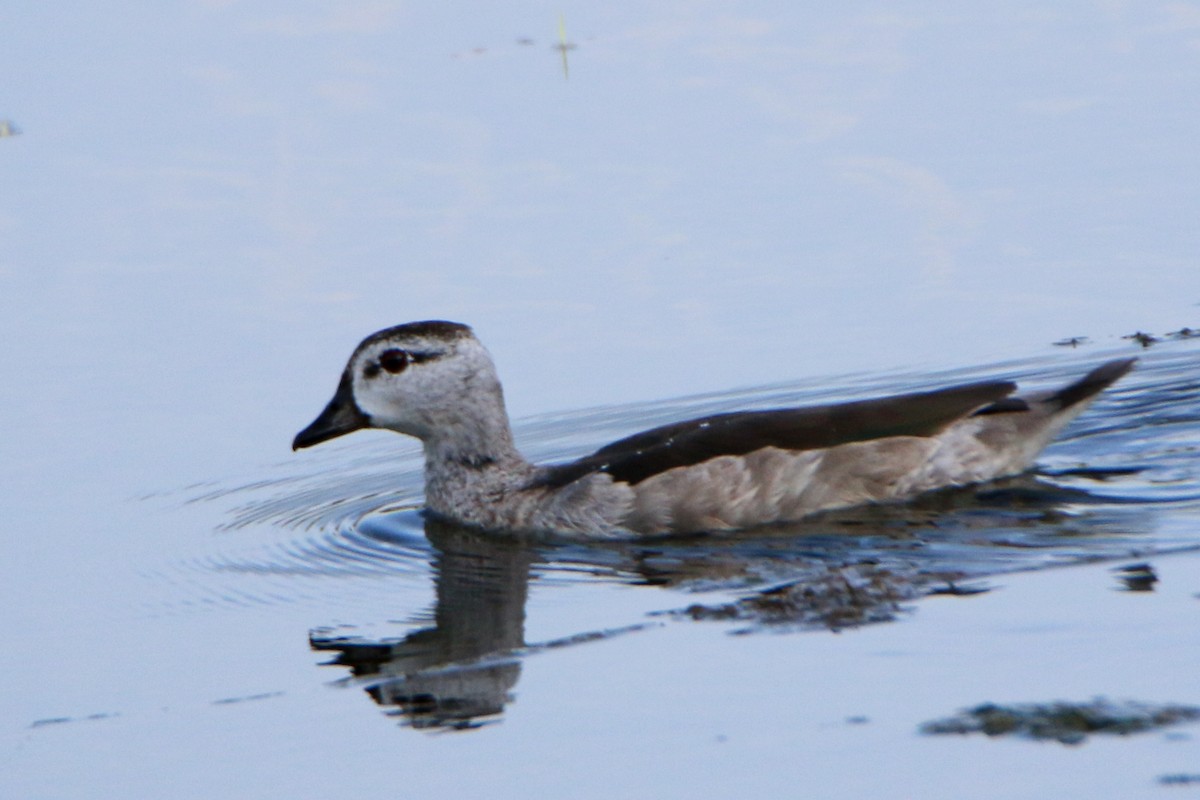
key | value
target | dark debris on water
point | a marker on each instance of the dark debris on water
(837, 598)
(1140, 338)
(1137, 577)
(1065, 722)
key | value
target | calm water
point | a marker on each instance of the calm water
(206, 204)
(311, 613)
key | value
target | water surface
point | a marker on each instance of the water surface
(207, 204)
(324, 614)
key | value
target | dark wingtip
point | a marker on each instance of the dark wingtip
(1094, 382)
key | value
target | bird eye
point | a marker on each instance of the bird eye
(393, 361)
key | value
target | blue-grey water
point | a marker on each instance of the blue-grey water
(205, 205)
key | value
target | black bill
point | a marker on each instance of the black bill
(340, 417)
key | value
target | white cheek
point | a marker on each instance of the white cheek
(372, 397)
(394, 402)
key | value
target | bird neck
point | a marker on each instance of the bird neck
(473, 441)
(473, 478)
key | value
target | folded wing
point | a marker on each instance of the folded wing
(638, 457)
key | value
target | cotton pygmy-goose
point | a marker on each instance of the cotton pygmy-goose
(435, 381)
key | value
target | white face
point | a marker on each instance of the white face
(432, 380)
(422, 385)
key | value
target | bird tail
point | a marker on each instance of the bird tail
(1091, 384)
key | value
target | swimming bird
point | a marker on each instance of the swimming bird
(434, 380)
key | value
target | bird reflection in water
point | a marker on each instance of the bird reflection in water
(847, 571)
(458, 673)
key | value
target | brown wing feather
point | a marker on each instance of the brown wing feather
(638, 457)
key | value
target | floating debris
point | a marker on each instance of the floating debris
(1142, 338)
(7, 128)
(836, 599)
(961, 590)
(1180, 779)
(228, 701)
(1137, 577)
(564, 45)
(39, 723)
(1069, 723)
